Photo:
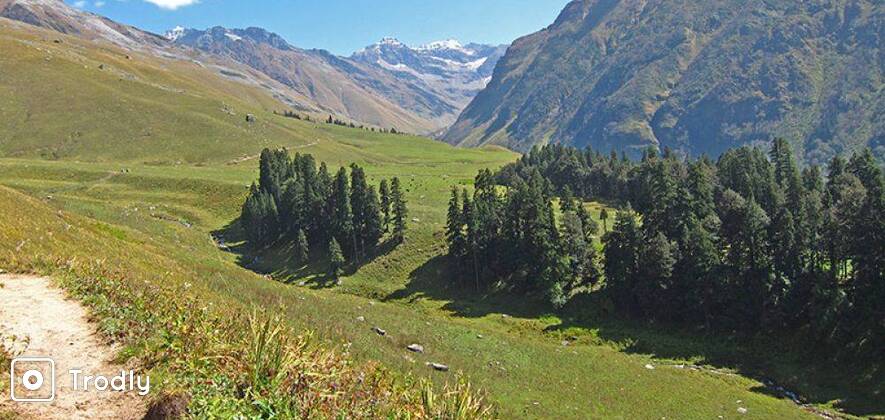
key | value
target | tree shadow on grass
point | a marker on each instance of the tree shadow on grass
(787, 367)
(279, 262)
(437, 279)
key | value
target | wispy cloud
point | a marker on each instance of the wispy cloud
(80, 4)
(99, 3)
(172, 4)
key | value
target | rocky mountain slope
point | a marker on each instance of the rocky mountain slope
(387, 84)
(699, 77)
(423, 93)
(446, 70)
(56, 15)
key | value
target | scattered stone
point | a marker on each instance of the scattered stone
(505, 316)
(479, 336)
(379, 331)
(250, 118)
(57, 41)
(101, 66)
(417, 348)
(361, 318)
(565, 343)
(742, 410)
(440, 367)
(302, 283)
(416, 220)
(649, 367)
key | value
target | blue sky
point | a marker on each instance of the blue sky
(343, 26)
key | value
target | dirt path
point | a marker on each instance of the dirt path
(47, 324)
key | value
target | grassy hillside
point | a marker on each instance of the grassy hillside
(142, 211)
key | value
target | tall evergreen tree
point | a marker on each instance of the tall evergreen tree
(342, 218)
(455, 235)
(302, 248)
(399, 210)
(384, 190)
(336, 260)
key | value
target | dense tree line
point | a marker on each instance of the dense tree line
(297, 200)
(749, 241)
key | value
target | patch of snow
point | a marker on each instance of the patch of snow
(233, 37)
(448, 44)
(175, 33)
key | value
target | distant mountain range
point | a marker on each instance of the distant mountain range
(696, 76)
(389, 84)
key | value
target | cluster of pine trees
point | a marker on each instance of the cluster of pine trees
(342, 213)
(747, 242)
(515, 236)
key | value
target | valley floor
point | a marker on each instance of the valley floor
(530, 363)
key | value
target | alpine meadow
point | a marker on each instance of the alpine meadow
(666, 209)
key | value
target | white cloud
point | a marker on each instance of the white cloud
(99, 3)
(80, 4)
(172, 4)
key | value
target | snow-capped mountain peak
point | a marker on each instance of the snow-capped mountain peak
(175, 33)
(448, 44)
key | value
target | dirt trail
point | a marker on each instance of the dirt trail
(31, 308)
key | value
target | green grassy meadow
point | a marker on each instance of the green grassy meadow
(153, 168)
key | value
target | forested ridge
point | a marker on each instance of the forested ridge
(297, 201)
(748, 243)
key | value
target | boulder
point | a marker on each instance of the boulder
(361, 318)
(379, 331)
(440, 367)
(417, 348)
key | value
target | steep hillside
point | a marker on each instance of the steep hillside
(699, 77)
(56, 15)
(385, 85)
(63, 97)
(316, 82)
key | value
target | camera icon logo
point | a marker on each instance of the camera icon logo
(32, 379)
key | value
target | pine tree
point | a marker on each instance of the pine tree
(336, 260)
(623, 245)
(366, 212)
(342, 218)
(302, 249)
(398, 203)
(455, 237)
(384, 190)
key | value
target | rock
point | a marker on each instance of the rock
(416, 220)
(361, 318)
(379, 331)
(649, 367)
(742, 410)
(505, 316)
(417, 348)
(440, 367)
(250, 118)
(565, 343)
(479, 336)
